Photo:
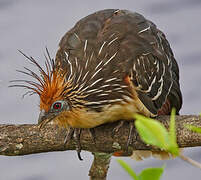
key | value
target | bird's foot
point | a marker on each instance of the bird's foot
(74, 132)
(93, 135)
(119, 125)
(130, 135)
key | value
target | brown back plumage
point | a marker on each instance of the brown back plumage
(104, 48)
(110, 65)
(110, 57)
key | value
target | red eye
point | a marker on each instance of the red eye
(57, 105)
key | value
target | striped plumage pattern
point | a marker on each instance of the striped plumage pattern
(110, 65)
(112, 53)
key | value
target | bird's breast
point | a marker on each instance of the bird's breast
(88, 118)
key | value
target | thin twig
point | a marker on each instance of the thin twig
(191, 161)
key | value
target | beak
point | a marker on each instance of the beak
(41, 116)
(45, 118)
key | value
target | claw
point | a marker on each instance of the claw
(79, 155)
(76, 133)
(93, 135)
(116, 129)
(77, 138)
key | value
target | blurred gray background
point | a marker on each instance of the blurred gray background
(31, 25)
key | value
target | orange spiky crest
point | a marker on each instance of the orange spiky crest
(53, 89)
(50, 85)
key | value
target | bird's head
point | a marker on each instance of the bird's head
(51, 87)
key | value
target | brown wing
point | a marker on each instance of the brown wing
(155, 72)
(138, 49)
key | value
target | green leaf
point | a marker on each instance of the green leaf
(193, 128)
(151, 174)
(152, 132)
(173, 147)
(146, 174)
(128, 169)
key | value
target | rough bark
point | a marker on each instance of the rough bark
(28, 139)
(100, 166)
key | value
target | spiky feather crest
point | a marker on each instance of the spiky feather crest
(50, 85)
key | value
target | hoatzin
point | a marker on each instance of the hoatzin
(110, 65)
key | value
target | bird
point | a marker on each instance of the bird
(110, 65)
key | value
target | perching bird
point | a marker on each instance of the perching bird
(109, 66)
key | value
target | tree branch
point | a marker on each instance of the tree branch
(28, 139)
(100, 166)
